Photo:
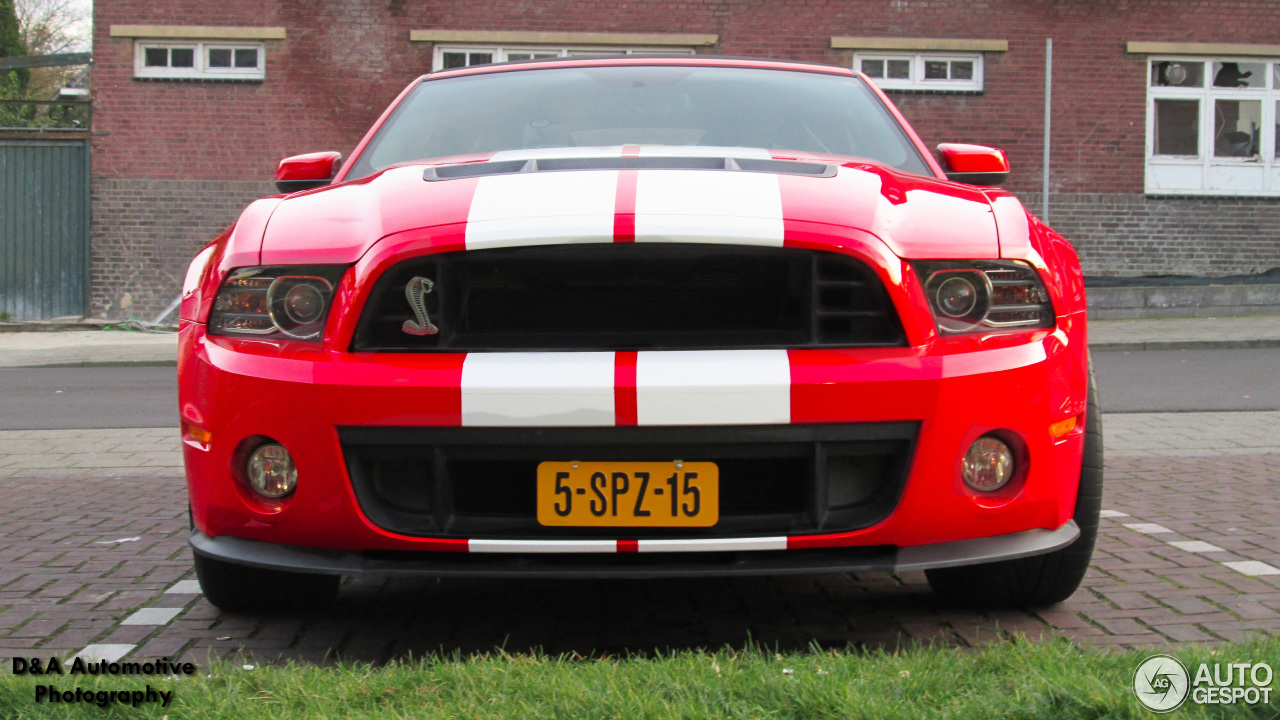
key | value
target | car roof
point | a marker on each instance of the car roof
(637, 60)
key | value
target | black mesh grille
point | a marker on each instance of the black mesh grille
(773, 479)
(632, 296)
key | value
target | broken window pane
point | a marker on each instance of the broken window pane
(219, 57)
(182, 57)
(247, 58)
(899, 69)
(1239, 75)
(454, 60)
(1177, 127)
(156, 57)
(1237, 125)
(935, 70)
(961, 70)
(873, 68)
(1177, 73)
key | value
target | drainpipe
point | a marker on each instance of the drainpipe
(1048, 104)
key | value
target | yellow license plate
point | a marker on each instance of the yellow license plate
(628, 494)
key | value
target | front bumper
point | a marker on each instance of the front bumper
(639, 566)
(304, 398)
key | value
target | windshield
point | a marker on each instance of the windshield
(640, 105)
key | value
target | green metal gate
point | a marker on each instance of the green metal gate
(44, 227)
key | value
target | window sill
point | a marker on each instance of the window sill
(932, 91)
(1211, 194)
(225, 81)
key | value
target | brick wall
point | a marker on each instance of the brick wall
(344, 60)
(145, 233)
(1129, 234)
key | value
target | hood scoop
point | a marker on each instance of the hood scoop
(510, 167)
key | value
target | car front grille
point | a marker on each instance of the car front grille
(630, 296)
(481, 482)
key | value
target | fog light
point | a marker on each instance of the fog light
(988, 465)
(271, 471)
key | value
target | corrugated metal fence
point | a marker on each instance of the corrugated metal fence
(44, 228)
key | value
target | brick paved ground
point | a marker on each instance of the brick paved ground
(98, 559)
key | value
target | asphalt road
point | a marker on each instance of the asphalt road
(1188, 380)
(64, 398)
(1146, 381)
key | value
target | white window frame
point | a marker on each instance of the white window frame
(1206, 173)
(200, 70)
(500, 52)
(917, 80)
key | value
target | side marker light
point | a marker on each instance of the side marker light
(197, 433)
(1059, 429)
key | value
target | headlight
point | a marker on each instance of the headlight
(969, 296)
(288, 302)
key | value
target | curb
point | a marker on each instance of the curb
(1185, 345)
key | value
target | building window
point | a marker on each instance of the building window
(449, 57)
(922, 71)
(196, 60)
(1212, 126)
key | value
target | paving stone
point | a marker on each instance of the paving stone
(1253, 568)
(1196, 546)
(110, 652)
(1183, 633)
(152, 616)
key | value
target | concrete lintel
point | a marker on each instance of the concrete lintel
(1190, 48)
(197, 32)
(917, 44)
(504, 37)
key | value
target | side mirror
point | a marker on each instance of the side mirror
(303, 172)
(974, 164)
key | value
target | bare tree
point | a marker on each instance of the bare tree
(49, 27)
(54, 26)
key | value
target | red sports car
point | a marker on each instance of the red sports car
(639, 317)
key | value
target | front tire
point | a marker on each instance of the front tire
(1042, 579)
(244, 589)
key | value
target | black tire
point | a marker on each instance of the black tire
(1042, 579)
(243, 589)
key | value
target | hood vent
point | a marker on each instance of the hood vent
(509, 167)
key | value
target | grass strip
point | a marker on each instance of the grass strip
(1019, 679)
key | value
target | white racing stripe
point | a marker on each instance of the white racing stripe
(708, 206)
(542, 208)
(713, 545)
(542, 546)
(715, 151)
(713, 387)
(537, 389)
(603, 151)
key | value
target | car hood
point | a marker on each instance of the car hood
(583, 200)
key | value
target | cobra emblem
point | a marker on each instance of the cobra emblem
(416, 291)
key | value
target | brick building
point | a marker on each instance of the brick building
(1164, 114)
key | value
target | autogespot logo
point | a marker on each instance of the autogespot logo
(1161, 683)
